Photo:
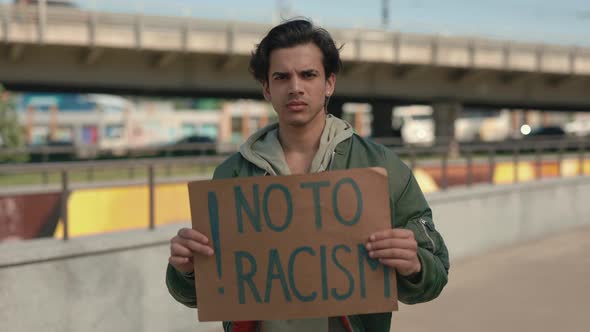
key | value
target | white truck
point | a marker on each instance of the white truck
(417, 125)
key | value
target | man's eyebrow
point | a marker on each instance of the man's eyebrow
(310, 71)
(305, 71)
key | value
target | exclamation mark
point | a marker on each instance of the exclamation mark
(214, 222)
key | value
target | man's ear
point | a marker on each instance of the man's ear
(330, 85)
(266, 91)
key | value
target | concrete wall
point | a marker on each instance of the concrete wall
(487, 217)
(115, 282)
(99, 283)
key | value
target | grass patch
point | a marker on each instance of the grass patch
(99, 175)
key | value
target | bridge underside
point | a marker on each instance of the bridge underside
(142, 72)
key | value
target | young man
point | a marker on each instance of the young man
(297, 65)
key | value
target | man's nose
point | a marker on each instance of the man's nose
(295, 86)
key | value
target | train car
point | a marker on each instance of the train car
(90, 123)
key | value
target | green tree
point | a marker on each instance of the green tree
(11, 134)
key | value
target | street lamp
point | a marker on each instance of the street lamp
(385, 13)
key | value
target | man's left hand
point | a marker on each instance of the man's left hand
(396, 248)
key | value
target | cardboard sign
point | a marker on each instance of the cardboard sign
(290, 247)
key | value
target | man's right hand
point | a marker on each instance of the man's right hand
(184, 246)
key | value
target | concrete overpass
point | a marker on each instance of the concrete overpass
(75, 50)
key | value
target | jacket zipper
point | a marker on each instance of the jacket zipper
(423, 223)
(347, 324)
(332, 160)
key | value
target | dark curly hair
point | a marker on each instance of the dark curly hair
(293, 33)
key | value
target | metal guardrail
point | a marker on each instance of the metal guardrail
(68, 151)
(441, 157)
(536, 150)
(65, 169)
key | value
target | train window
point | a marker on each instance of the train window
(63, 134)
(113, 131)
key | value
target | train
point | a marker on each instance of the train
(88, 126)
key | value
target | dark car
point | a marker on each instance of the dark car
(191, 146)
(550, 132)
(546, 138)
(52, 151)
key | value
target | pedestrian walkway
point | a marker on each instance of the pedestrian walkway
(539, 286)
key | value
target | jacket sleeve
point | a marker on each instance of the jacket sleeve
(410, 210)
(181, 287)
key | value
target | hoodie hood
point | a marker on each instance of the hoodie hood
(264, 149)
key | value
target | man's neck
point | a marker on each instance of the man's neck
(305, 140)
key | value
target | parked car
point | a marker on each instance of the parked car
(548, 138)
(549, 132)
(191, 146)
(52, 151)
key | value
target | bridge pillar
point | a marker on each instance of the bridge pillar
(382, 119)
(444, 115)
(225, 124)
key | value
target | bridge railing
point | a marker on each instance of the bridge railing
(70, 152)
(29, 24)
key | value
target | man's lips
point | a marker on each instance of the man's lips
(296, 105)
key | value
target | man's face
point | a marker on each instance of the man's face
(297, 85)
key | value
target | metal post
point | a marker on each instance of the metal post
(186, 33)
(64, 203)
(560, 159)
(412, 158)
(444, 164)
(538, 161)
(581, 157)
(584, 146)
(41, 20)
(385, 14)
(491, 163)
(469, 158)
(138, 30)
(6, 23)
(45, 177)
(151, 195)
(92, 23)
(515, 164)
(90, 174)
(202, 167)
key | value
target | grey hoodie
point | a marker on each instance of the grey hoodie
(264, 150)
